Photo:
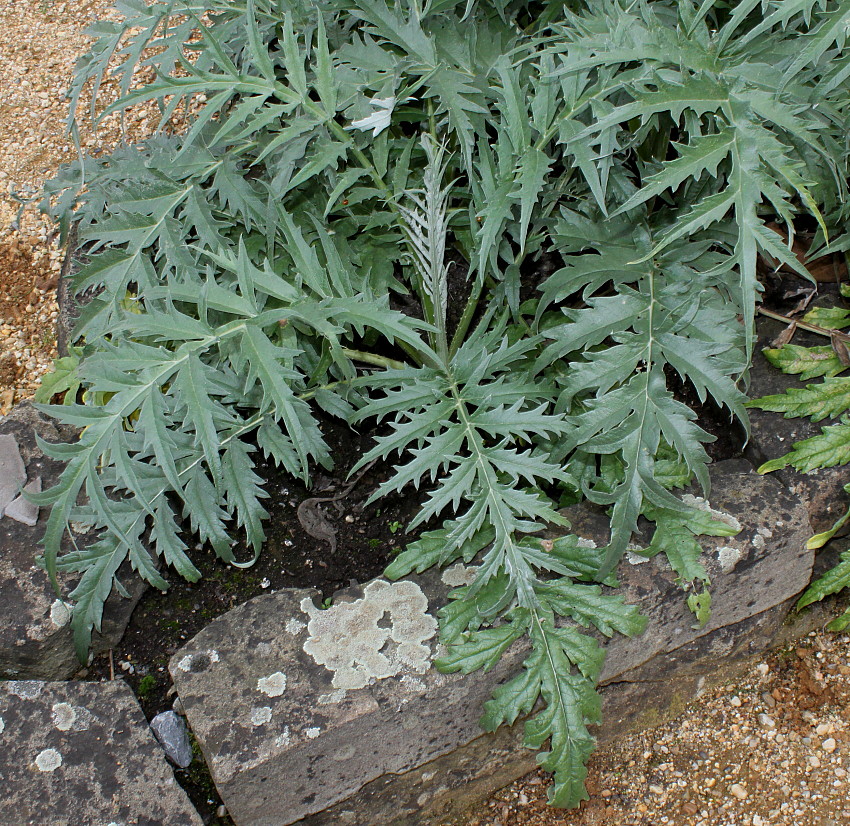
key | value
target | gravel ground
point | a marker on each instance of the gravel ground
(773, 749)
(39, 42)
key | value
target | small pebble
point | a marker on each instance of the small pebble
(735, 701)
(829, 745)
(767, 722)
(738, 791)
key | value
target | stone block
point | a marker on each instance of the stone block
(35, 639)
(772, 435)
(82, 753)
(336, 716)
(13, 474)
(21, 509)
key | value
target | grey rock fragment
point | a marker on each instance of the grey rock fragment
(13, 474)
(82, 753)
(21, 509)
(170, 730)
(36, 640)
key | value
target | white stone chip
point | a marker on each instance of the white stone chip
(60, 613)
(313, 733)
(2, 725)
(274, 685)
(49, 760)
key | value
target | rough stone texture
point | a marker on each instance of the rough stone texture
(13, 474)
(170, 731)
(35, 638)
(773, 436)
(82, 753)
(268, 689)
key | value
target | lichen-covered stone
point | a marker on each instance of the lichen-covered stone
(21, 509)
(287, 737)
(349, 639)
(82, 753)
(35, 638)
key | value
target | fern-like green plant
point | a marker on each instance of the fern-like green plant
(348, 152)
(831, 447)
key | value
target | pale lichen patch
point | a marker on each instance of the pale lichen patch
(274, 685)
(635, 559)
(459, 574)
(48, 760)
(25, 689)
(261, 716)
(372, 638)
(295, 626)
(413, 683)
(728, 557)
(200, 660)
(64, 716)
(2, 725)
(701, 504)
(761, 535)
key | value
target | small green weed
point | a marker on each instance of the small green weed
(146, 686)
